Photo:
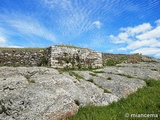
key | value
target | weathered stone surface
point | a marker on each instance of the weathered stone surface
(44, 94)
(40, 93)
(119, 86)
(60, 56)
(22, 57)
(140, 71)
(66, 56)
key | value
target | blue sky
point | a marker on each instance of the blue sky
(112, 26)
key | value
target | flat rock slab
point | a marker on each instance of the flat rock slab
(39, 93)
(141, 71)
(120, 86)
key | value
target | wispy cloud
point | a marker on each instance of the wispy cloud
(32, 28)
(25, 26)
(28, 26)
(77, 17)
(64, 4)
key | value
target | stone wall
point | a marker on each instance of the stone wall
(126, 58)
(73, 57)
(22, 57)
(61, 56)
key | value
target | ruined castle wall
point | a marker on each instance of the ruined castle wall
(128, 58)
(22, 57)
(63, 56)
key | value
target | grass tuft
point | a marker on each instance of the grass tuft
(76, 75)
(93, 74)
(128, 76)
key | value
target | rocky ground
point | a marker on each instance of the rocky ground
(39, 93)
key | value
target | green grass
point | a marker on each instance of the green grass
(99, 71)
(71, 73)
(93, 74)
(67, 69)
(113, 62)
(145, 101)
(70, 46)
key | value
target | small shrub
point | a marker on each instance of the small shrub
(90, 80)
(90, 67)
(110, 62)
(77, 102)
(150, 83)
(113, 62)
(109, 78)
(31, 81)
(79, 66)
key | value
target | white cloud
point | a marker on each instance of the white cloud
(121, 38)
(137, 29)
(98, 24)
(110, 51)
(139, 39)
(2, 39)
(155, 33)
(138, 44)
(157, 22)
(129, 32)
(122, 49)
(147, 51)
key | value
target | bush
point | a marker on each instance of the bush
(113, 62)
